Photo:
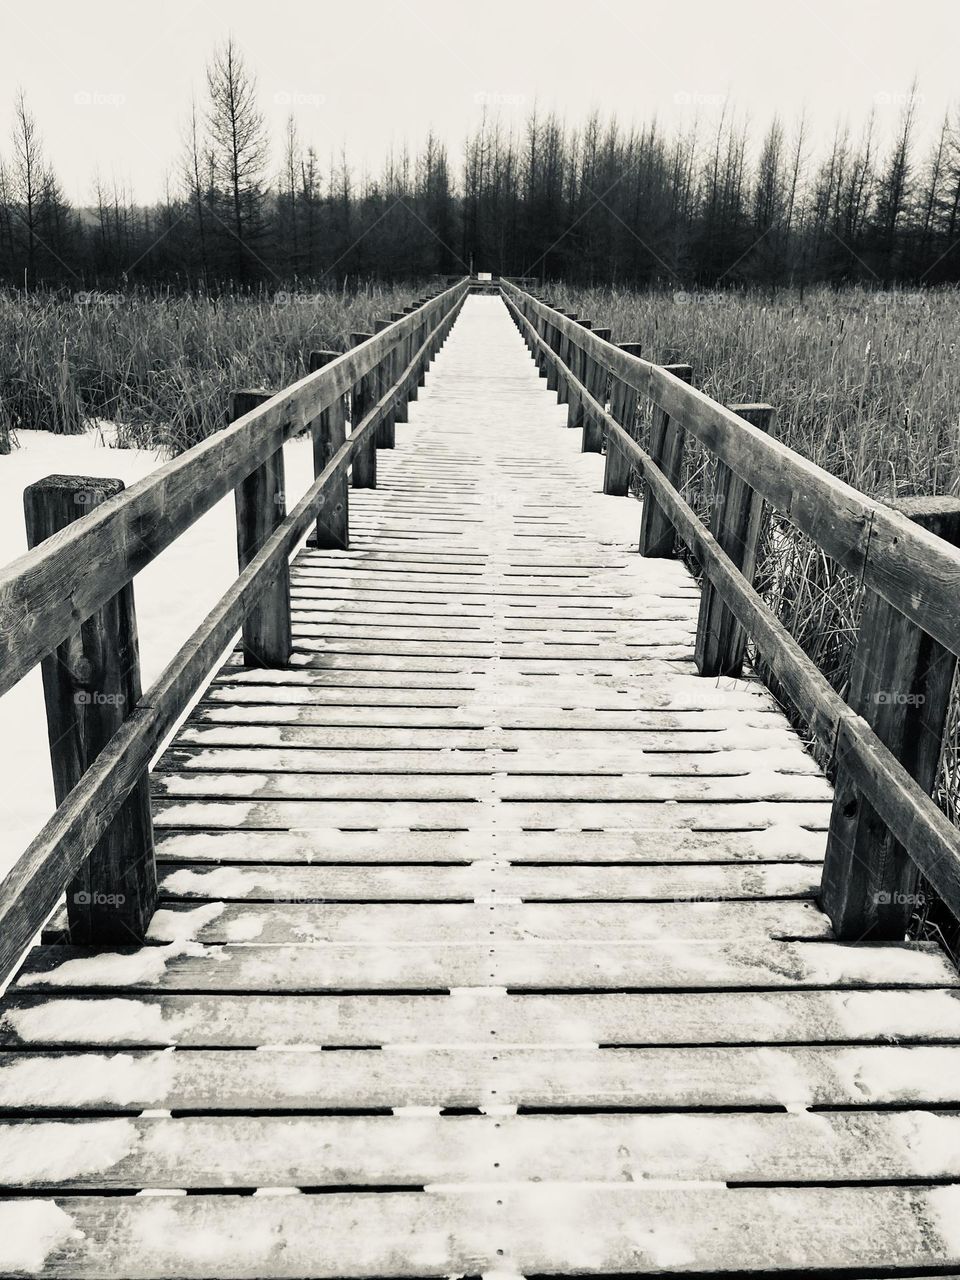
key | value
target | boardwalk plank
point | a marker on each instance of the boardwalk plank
(224, 1020)
(583, 966)
(278, 1078)
(535, 1230)
(218, 1152)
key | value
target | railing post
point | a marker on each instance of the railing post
(422, 331)
(736, 523)
(91, 683)
(554, 338)
(657, 534)
(412, 346)
(386, 431)
(578, 364)
(901, 683)
(261, 507)
(363, 469)
(596, 384)
(623, 407)
(401, 358)
(566, 346)
(329, 431)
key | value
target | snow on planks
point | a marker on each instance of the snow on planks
(488, 928)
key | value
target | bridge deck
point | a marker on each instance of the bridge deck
(515, 913)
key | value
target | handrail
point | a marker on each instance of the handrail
(48, 592)
(30, 891)
(906, 809)
(912, 569)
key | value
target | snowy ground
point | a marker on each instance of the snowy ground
(173, 595)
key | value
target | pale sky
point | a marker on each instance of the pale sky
(110, 80)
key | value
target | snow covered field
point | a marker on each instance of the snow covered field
(173, 594)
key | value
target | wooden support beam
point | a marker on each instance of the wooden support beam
(596, 384)
(577, 363)
(657, 534)
(617, 466)
(402, 355)
(386, 376)
(737, 524)
(261, 506)
(901, 684)
(566, 347)
(329, 431)
(91, 683)
(363, 471)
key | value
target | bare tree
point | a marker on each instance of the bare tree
(28, 176)
(238, 148)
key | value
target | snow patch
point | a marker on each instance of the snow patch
(145, 967)
(118, 1020)
(56, 1151)
(183, 925)
(944, 1207)
(31, 1231)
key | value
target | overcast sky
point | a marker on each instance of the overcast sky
(110, 80)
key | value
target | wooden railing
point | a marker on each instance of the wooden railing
(886, 739)
(68, 605)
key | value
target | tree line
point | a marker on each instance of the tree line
(599, 202)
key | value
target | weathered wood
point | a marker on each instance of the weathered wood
(565, 1020)
(667, 437)
(329, 431)
(363, 472)
(617, 466)
(596, 383)
(917, 823)
(261, 506)
(736, 522)
(234, 1152)
(541, 966)
(386, 376)
(401, 358)
(91, 683)
(30, 890)
(901, 683)
(541, 1229)
(577, 362)
(107, 548)
(568, 934)
(910, 568)
(566, 351)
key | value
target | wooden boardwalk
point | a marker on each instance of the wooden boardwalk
(488, 942)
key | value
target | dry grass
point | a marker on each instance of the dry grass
(865, 384)
(161, 367)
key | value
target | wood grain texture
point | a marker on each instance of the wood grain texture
(91, 683)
